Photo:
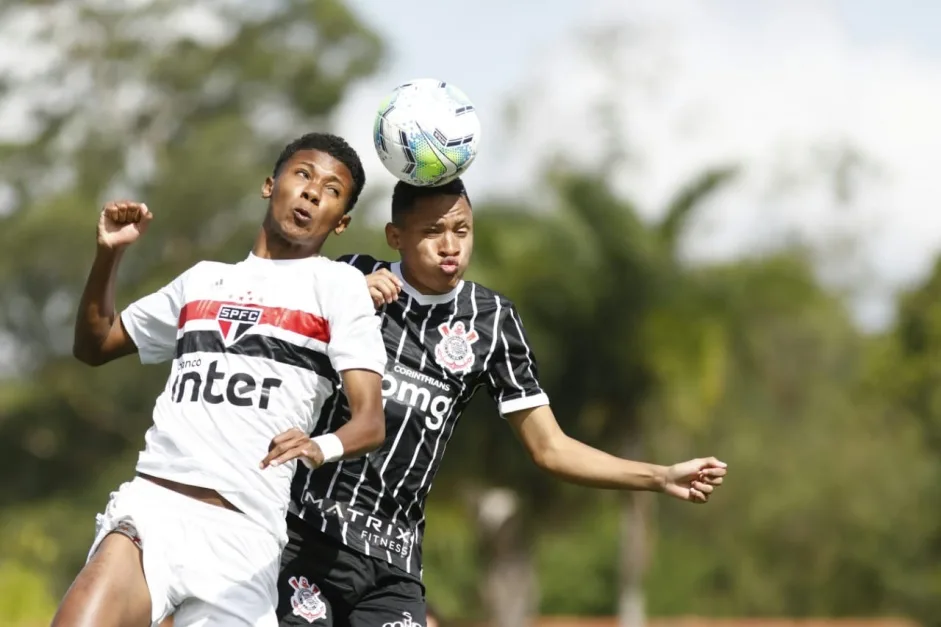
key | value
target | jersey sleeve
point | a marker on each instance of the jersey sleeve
(152, 321)
(355, 338)
(363, 263)
(512, 374)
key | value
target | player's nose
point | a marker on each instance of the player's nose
(311, 194)
(450, 245)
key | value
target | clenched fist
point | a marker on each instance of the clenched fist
(695, 480)
(384, 287)
(121, 223)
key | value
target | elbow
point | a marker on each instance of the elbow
(375, 435)
(548, 456)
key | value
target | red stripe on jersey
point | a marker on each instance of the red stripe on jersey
(300, 322)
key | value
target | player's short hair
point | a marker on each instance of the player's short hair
(404, 196)
(337, 148)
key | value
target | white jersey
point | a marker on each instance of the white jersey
(256, 348)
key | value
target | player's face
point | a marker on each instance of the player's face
(435, 240)
(307, 200)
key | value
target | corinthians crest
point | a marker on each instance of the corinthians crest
(306, 600)
(454, 351)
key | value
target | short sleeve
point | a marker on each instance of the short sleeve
(512, 374)
(363, 263)
(355, 337)
(152, 321)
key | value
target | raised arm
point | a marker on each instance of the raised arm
(99, 334)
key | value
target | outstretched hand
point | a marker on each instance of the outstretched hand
(695, 480)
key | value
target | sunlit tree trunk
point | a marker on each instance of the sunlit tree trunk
(509, 586)
(636, 538)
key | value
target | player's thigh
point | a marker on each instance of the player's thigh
(110, 590)
(229, 573)
(397, 605)
(197, 613)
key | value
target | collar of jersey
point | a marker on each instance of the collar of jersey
(425, 299)
(254, 260)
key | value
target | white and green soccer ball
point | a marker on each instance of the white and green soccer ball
(426, 132)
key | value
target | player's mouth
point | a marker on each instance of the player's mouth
(302, 217)
(449, 266)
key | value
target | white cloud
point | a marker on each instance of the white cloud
(779, 87)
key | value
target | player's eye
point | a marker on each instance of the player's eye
(463, 232)
(303, 173)
(334, 191)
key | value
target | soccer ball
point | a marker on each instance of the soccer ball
(426, 132)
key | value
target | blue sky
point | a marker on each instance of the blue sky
(910, 23)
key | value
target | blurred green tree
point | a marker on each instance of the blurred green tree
(904, 368)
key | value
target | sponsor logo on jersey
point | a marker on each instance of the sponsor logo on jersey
(373, 531)
(435, 407)
(454, 351)
(214, 386)
(306, 600)
(235, 320)
(405, 622)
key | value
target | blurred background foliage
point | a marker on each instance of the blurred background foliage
(833, 435)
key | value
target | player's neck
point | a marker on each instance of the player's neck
(270, 245)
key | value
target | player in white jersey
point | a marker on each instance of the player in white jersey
(255, 349)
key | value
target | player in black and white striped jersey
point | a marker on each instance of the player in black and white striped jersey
(354, 555)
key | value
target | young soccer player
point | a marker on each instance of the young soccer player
(255, 348)
(355, 528)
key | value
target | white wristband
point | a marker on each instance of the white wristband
(331, 446)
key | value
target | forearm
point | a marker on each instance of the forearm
(576, 462)
(364, 433)
(96, 311)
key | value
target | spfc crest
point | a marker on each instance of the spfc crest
(235, 320)
(454, 351)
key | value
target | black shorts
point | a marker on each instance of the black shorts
(326, 584)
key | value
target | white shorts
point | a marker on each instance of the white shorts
(207, 565)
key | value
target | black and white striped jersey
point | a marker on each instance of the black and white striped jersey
(440, 350)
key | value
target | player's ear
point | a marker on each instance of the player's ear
(393, 237)
(267, 187)
(343, 224)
